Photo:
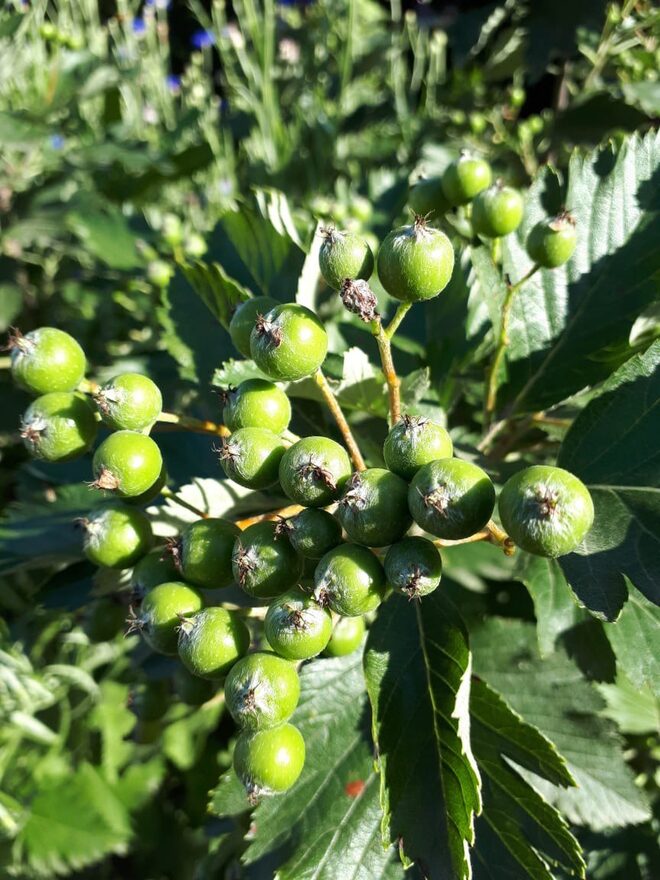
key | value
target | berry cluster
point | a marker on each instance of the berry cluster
(324, 567)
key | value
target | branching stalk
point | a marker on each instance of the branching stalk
(199, 426)
(176, 499)
(340, 419)
(491, 533)
(290, 510)
(383, 337)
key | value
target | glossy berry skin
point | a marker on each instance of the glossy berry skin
(262, 690)
(155, 568)
(130, 402)
(551, 242)
(497, 211)
(297, 627)
(350, 580)
(314, 470)
(415, 441)
(313, 532)
(465, 178)
(413, 567)
(211, 641)
(546, 510)
(415, 262)
(451, 499)
(251, 457)
(59, 426)
(127, 464)
(269, 761)
(264, 563)
(344, 255)
(203, 553)
(116, 536)
(346, 637)
(245, 317)
(46, 360)
(161, 613)
(152, 492)
(257, 403)
(374, 508)
(288, 343)
(427, 199)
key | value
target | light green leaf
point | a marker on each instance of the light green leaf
(635, 638)
(554, 602)
(634, 711)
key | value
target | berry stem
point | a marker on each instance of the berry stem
(383, 337)
(491, 533)
(290, 510)
(502, 343)
(340, 419)
(399, 315)
(176, 499)
(199, 426)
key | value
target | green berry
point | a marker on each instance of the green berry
(262, 690)
(347, 637)
(245, 317)
(269, 761)
(374, 508)
(194, 246)
(116, 536)
(264, 563)
(413, 567)
(152, 492)
(129, 402)
(551, 242)
(344, 255)
(465, 178)
(350, 580)
(451, 499)
(546, 510)
(104, 618)
(171, 230)
(159, 273)
(297, 627)
(251, 457)
(289, 342)
(161, 613)
(46, 360)
(192, 690)
(59, 426)
(211, 641)
(313, 532)
(256, 403)
(427, 199)
(415, 441)
(415, 262)
(314, 470)
(127, 463)
(497, 211)
(157, 567)
(202, 553)
(151, 700)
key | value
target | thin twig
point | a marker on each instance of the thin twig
(199, 426)
(340, 419)
(176, 499)
(383, 337)
(272, 515)
(491, 533)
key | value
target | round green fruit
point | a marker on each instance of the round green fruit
(262, 690)
(129, 402)
(203, 552)
(288, 343)
(413, 567)
(104, 618)
(451, 499)
(190, 689)
(116, 536)
(427, 199)
(251, 457)
(269, 761)
(59, 426)
(415, 262)
(313, 532)
(245, 317)
(152, 492)
(374, 508)
(157, 567)
(546, 510)
(350, 580)
(256, 403)
(264, 563)
(127, 463)
(159, 273)
(211, 641)
(415, 441)
(162, 612)
(46, 360)
(551, 242)
(465, 178)
(297, 627)
(347, 637)
(314, 470)
(497, 211)
(344, 255)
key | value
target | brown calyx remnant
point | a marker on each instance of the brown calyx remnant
(105, 480)
(547, 501)
(269, 330)
(173, 551)
(315, 470)
(359, 299)
(356, 494)
(562, 220)
(16, 340)
(412, 586)
(245, 563)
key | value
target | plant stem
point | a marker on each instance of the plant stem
(502, 342)
(172, 496)
(290, 510)
(5, 363)
(199, 426)
(383, 337)
(340, 419)
(491, 533)
(399, 315)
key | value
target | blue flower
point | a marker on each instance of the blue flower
(57, 141)
(173, 83)
(202, 39)
(139, 26)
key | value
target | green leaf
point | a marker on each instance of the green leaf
(220, 293)
(634, 639)
(612, 446)
(635, 711)
(185, 737)
(417, 666)
(554, 603)
(106, 234)
(114, 721)
(11, 303)
(570, 326)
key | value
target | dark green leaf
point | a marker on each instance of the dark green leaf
(219, 292)
(554, 603)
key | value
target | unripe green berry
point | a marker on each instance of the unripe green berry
(46, 360)
(314, 470)
(465, 178)
(159, 273)
(127, 464)
(344, 255)
(415, 262)
(245, 317)
(347, 636)
(202, 553)
(427, 199)
(157, 567)
(152, 492)
(59, 426)
(497, 211)
(415, 441)
(413, 567)
(269, 761)
(251, 457)
(551, 242)
(104, 618)
(194, 246)
(211, 641)
(297, 627)
(350, 580)
(262, 690)
(171, 230)
(313, 532)
(192, 690)
(288, 343)
(264, 563)
(374, 508)
(116, 536)
(256, 403)
(129, 402)
(161, 613)
(546, 510)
